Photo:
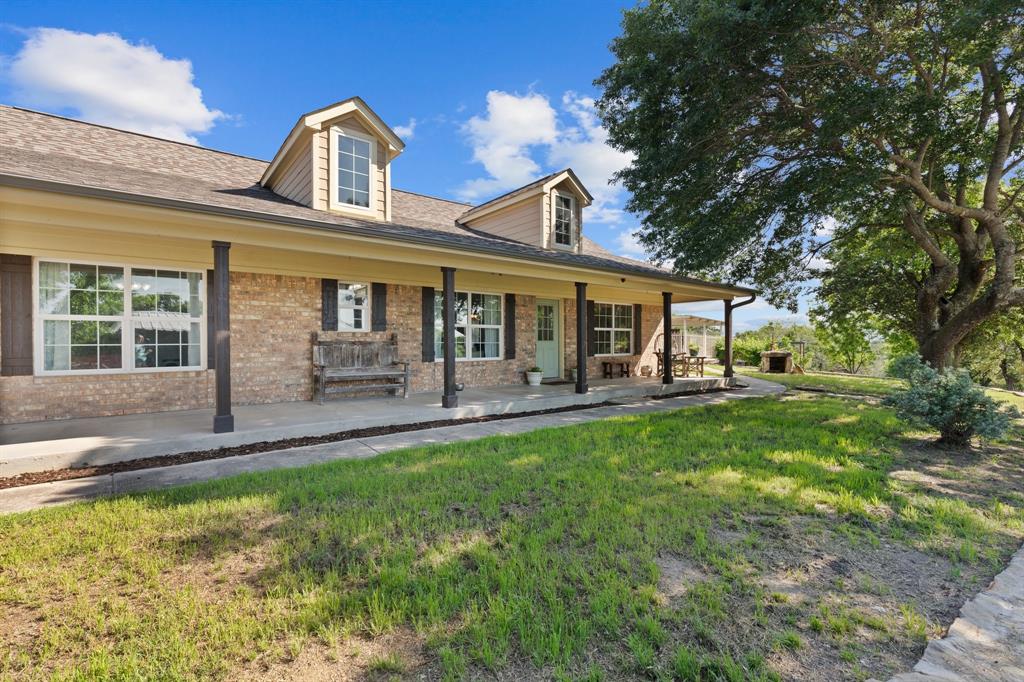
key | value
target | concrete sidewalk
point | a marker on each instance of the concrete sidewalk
(60, 492)
(70, 443)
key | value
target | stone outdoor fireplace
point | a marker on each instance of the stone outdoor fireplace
(777, 362)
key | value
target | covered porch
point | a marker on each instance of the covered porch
(41, 446)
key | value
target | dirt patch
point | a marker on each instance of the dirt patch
(860, 598)
(401, 653)
(677, 576)
(33, 478)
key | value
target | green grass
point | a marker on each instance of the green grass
(834, 383)
(854, 384)
(539, 549)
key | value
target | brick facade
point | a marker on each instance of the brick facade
(273, 321)
(651, 324)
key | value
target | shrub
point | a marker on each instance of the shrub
(948, 401)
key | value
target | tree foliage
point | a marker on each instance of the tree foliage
(845, 342)
(766, 133)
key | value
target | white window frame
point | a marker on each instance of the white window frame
(614, 329)
(332, 163)
(365, 308)
(126, 319)
(572, 220)
(470, 326)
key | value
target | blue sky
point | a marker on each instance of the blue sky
(487, 95)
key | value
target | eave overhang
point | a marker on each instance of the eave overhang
(367, 230)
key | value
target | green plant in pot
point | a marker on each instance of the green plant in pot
(694, 350)
(534, 375)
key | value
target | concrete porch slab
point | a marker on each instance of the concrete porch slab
(41, 446)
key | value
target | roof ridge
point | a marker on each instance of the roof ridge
(431, 196)
(132, 132)
(542, 179)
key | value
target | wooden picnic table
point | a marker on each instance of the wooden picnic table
(683, 364)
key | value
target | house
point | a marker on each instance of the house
(143, 275)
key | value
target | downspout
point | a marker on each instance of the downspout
(729, 307)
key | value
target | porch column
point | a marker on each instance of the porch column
(223, 420)
(666, 308)
(449, 397)
(581, 337)
(728, 339)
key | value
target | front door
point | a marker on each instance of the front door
(548, 338)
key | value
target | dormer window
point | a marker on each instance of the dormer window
(565, 211)
(354, 156)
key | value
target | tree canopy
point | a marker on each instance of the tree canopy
(772, 140)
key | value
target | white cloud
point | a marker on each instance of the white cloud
(629, 245)
(826, 228)
(584, 148)
(502, 140)
(108, 80)
(408, 131)
(517, 130)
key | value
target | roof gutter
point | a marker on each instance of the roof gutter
(25, 182)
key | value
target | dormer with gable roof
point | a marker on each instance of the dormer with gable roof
(338, 159)
(546, 213)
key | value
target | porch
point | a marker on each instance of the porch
(41, 446)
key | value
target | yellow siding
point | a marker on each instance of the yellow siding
(320, 169)
(564, 187)
(520, 222)
(296, 181)
(381, 166)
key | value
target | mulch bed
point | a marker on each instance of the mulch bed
(32, 478)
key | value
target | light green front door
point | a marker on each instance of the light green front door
(547, 337)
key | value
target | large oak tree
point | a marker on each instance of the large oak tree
(767, 133)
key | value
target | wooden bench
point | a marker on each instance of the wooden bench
(609, 367)
(373, 362)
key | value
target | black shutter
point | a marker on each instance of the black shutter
(510, 326)
(379, 307)
(15, 315)
(427, 322)
(638, 341)
(210, 354)
(329, 305)
(591, 336)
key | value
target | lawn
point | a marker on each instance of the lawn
(851, 384)
(794, 537)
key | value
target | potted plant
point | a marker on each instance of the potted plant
(694, 350)
(534, 375)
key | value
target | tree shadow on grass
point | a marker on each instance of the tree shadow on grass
(524, 548)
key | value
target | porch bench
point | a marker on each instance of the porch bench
(336, 364)
(609, 367)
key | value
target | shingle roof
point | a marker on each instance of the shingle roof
(77, 157)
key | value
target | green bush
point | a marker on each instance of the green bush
(948, 401)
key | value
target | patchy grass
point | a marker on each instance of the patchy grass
(781, 538)
(834, 383)
(855, 384)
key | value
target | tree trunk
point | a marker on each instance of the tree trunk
(1009, 378)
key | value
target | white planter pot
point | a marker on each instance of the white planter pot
(533, 378)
